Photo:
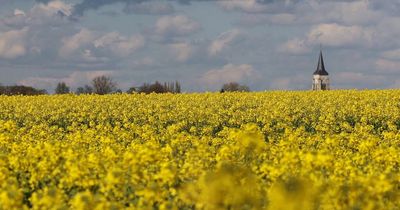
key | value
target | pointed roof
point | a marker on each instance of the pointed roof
(321, 66)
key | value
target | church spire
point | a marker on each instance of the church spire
(321, 66)
(320, 76)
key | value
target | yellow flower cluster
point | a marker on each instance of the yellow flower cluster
(269, 150)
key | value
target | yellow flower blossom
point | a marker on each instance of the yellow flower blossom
(265, 150)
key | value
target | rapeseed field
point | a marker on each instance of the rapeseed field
(267, 150)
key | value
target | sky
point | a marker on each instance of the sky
(265, 44)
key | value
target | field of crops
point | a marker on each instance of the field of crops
(271, 150)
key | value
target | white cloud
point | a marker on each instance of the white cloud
(295, 46)
(338, 35)
(178, 25)
(224, 40)
(386, 33)
(89, 45)
(182, 51)
(358, 12)
(149, 8)
(36, 31)
(252, 20)
(249, 6)
(120, 45)
(75, 42)
(143, 62)
(290, 82)
(353, 32)
(362, 79)
(12, 43)
(73, 80)
(281, 84)
(38, 82)
(388, 66)
(87, 55)
(228, 73)
(80, 78)
(55, 13)
(331, 35)
(395, 84)
(54, 7)
(391, 54)
(18, 12)
(283, 18)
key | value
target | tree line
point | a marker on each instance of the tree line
(20, 90)
(102, 85)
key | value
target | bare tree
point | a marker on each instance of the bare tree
(103, 85)
(62, 88)
(234, 87)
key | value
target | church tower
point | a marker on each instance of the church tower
(320, 76)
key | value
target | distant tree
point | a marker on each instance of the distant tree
(41, 92)
(21, 90)
(234, 87)
(177, 87)
(157, 87)
(84, 90)
(172, 87)
(62, 88)
(151, 88)
(145, 88)
(88, 89)
(131, 90)
(103, 85)
(80, 90)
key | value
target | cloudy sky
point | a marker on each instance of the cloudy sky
(266, 44)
